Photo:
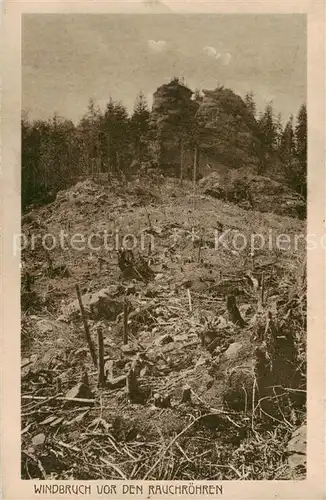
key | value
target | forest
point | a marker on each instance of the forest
(218, 123)
(182, 357)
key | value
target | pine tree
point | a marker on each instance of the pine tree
(29, 160)
(287, 144)
(89, 138)
(268, 129)
(250, 103)
(279, 129)
(268, 137)
(301, 137)
(49, 157)
(140, 127)
(300, 180)
(114, 138)
(293, 152)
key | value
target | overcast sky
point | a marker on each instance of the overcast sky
(69, 58)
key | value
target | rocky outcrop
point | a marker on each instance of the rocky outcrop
(228, 132)
(172, 106)
(254, 192)
(219, 121)
(172, 116)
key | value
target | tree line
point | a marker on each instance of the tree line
(56, 152)
(283, 147)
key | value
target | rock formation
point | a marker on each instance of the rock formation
(219, 122)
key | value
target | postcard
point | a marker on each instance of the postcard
(163, 250)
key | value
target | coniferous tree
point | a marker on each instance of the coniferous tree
(48, 158)
(268, 137)
(114, 138)
(268, 128)
(293, 152)
(30, 141)
(279, 129)
(301, 137)
(287, 144)
(300, 180)
(250, 103)
(139, 127)
(89, 139)
(55, 152)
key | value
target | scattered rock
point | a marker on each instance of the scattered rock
(56, 328)
(116, 382)
(79, 391)
(38, 440)
(45, 326)
(233, 350)
(103, 304)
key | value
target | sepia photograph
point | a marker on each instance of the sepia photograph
(163, 247)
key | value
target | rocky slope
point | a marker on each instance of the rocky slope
(219, 121)
(209, 384)
(254, 192)
(228, 132)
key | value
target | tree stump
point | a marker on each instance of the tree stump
(186, 394)
(234, 313)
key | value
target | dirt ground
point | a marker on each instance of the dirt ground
(210, 383)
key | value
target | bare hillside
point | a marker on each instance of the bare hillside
(201, 374)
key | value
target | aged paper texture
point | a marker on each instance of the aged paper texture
(163, 243)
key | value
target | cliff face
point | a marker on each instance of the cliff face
(172, 108)
(254, 192)
(219, 121)
(172, 117)
(228, 132)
